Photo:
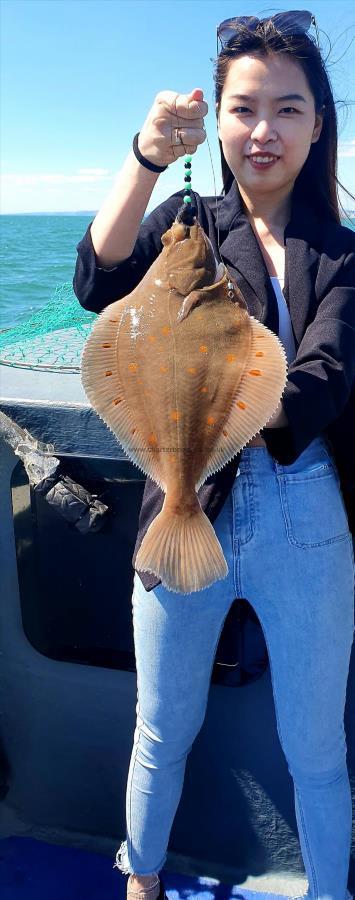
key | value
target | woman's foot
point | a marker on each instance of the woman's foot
(143, 887)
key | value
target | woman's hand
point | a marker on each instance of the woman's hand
(157, 138)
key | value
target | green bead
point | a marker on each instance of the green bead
(187, 199)
(188, 158)
(187, 187)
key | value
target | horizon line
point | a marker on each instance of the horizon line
(52, 212)
(80, 212)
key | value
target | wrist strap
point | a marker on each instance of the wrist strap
(145, 162)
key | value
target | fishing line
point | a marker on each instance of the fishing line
(215, 193)
(213, 173)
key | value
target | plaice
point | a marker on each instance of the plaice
(184, 377)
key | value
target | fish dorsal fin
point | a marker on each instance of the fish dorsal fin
(251, 407)
(102, 384)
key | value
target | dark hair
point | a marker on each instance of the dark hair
(318, 176)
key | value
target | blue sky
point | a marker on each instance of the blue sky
(79, 77)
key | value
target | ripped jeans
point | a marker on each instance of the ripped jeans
(286, 539)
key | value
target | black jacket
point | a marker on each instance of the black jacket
(319, 397)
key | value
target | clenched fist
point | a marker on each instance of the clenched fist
(159, 139)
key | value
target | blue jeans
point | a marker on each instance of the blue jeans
(286, 539)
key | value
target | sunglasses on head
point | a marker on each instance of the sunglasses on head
(292, 22)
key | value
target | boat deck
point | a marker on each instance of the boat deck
(68, 695)
(35, 870)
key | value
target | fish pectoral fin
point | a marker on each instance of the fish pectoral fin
(211, 292)
(188, 304)
(199, 296)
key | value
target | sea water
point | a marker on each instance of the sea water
(38, 254)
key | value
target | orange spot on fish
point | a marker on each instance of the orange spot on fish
(203, 390)
(132, 367)
(108, 373)
(260, 337)
(165, 329)
(113, 321)
(106, 345)
(173, 459)
(241, 404)
(152, 439)
(133, 430)
(255, 372)
(175, 415)
(191, 370)
(260, 353)
(231, 357)
(203, 348)
(151, 337)
(118, 400)
(210, 420)
(225, 433)
(163, 368)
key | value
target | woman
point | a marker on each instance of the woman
(278, 225)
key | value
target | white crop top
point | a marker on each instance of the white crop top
(285, 324)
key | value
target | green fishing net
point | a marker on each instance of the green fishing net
(52, 339)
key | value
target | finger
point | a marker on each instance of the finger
(179, 105)
(189, 109)
(196, 94)
(189, 136)
(179, 150)
(179, 122)
(196, 102)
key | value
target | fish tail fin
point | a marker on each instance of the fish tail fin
(183, 551)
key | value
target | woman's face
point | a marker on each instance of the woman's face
(260, 122)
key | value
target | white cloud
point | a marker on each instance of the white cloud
(347, 148)
(94, 172)
(83, 176)
(25, 191)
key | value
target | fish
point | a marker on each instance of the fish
(184, 377)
